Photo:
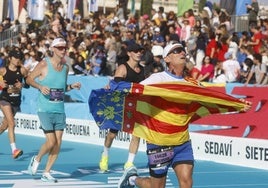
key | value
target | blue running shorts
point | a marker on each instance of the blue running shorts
(160, 158)
(51, 122)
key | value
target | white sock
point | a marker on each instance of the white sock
(13, 147)
(131, 157)
(132, 180)
(105, 151)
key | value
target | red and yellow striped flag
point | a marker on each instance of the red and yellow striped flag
(158, 113)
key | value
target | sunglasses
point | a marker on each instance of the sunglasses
(176, 51)
(60, 48)
(137, 51)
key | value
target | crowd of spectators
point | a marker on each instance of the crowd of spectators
(97, 43)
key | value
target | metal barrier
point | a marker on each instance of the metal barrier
(8, 36)
(240, 23)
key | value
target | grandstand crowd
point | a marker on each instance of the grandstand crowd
(97, 43)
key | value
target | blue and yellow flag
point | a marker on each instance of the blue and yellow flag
(158, 113)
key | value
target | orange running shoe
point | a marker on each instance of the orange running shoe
(17, 153)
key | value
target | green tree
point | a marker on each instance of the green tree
(146, 7)
(201, 4)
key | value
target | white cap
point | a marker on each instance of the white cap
(157, 29)
(32, 35)
(58, 42)
(157, 50)
(170, 47)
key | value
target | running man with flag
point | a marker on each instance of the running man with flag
(160, 109)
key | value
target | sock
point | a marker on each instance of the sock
(132, 180)
(105, 151)
(131, 157)
(46, 173)
(13, 147)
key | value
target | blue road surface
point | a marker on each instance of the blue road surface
(77, 167)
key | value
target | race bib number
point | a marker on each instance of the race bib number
(160, 156)
(56, 95)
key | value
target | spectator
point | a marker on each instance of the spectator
(233, 43)
(215, 19)
(2, 60)
(258, 70)
(245, 71)
(207, 70)
(122, 56)
(193, 71)
(191, 44)
(158, 39)
(253, 10)
(201, 43)
(172, 35)
(158, 64)
(171, 19)
(222, 48)
(185, 32)
(130, 38)
(248, 52)
(145, 35)
(111, 59)
(212, 47)
(231, 68)
(120, 11)
(98, 62)
(191, 18)
(79, 66)
(244, 38)
(256, 39)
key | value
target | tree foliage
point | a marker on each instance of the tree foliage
(201, 4)
(146, 7)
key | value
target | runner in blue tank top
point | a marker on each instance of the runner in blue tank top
(50, 78)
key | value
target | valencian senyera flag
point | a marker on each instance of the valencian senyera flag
(158, 113)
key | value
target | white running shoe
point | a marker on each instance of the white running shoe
(46, 177)
(33, 166)
(124, 180)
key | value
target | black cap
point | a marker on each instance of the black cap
(15, 53)
(134, 47)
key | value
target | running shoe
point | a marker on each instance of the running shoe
(17, 153)
(128, 165)
(46, 177)
(104, 163)
(33, 166)
(124, 180)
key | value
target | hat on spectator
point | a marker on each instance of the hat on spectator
(16, 53)
(157, 29)
(58, 42)
(134, 47)
(145, 16)
(32, 35)
(26, 51)
(171, 47)
(157, 50)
